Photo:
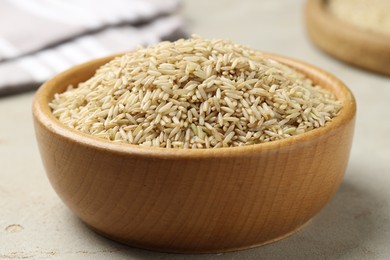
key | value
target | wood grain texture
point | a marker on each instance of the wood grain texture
(346, 42)
(209, 200)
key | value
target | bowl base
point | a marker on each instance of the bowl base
(172, 248)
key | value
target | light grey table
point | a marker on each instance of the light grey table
(34, 224)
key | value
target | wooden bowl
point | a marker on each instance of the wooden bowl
(183, 200)
(365, 49)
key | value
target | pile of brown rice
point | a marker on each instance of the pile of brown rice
(195, 93)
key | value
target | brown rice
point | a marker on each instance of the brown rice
(370, 15)
(195, 93)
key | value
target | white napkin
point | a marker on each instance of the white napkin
(40, 38)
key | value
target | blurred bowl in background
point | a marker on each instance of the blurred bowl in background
(361, 48)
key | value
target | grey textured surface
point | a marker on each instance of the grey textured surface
(34, 224)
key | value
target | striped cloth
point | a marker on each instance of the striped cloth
(49, 36)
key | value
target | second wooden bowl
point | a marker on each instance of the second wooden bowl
(209, 200)
(346, 42)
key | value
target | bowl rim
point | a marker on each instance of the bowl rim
(42, 114)
(369, 43)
